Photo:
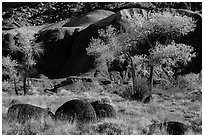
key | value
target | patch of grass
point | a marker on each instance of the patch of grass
(188, 82)
(112, 126)
(31, 127)
(133, 117)
(141, 87)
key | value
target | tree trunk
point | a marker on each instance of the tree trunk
(15, 87)
(151, 81)
(24, 84)
(133, 77)
(132, 72)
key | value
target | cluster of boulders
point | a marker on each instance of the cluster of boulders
(73, 111)
(81, 111)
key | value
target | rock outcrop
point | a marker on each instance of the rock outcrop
(65, 42)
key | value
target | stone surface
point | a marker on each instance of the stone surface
(103, 110)
(176, 128)
(25, 112)
(76, 111)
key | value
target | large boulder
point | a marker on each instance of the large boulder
(25, 112)
(89, 18)
(103, 110)
(64, 46)
(76, 110)
(78, 50)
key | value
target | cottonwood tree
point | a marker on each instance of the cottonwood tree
(147, 31)
(29, 51)
(9, 68)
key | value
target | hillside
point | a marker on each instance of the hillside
(70, 31)
(45, 63)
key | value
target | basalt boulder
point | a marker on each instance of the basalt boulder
(103, 110)
(76, 110)
(25, 112)
(175, 128)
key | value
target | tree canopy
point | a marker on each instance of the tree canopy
(156, 32)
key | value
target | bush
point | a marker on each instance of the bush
(7, 86)
(141, 90)
(188, 82)
(109, 128)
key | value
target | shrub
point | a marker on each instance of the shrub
(110, 128)
(141, 90)
(7, 86)
(188, 82)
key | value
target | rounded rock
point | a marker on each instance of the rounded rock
(176, 128)
(103, 110)
(24, 112)
(76, 110)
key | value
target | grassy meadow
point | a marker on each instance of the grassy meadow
(183, 102)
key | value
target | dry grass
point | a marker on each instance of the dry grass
(132, 117)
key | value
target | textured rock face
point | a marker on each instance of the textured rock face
(24, 112)
(89, 18)
(103, 110)
(76, 111)
(65, 42)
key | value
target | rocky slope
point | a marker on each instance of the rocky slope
(65, 41)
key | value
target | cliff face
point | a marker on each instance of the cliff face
(65, 41)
